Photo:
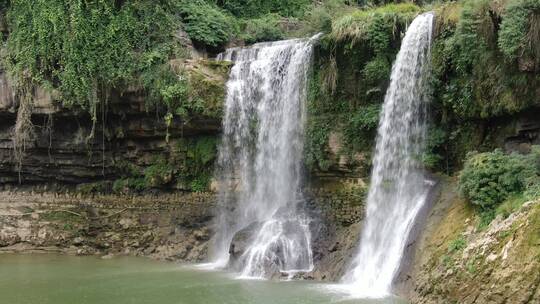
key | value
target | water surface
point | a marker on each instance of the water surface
(53, 279)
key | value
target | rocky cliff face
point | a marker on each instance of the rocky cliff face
(458, 262)
(169, 227)
(127, 133)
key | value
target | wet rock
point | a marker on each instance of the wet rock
(202, 234)
(241, 241)
(127, 223)
(107, 256)
(78, 241)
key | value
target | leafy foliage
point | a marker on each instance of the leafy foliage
(319, 16)
(377, 70)
(265, 28)
(85, 49)
(166, 86)
(474, 81)
(434, 143)
(158, 174)
(206, 23)
(472, 78)
(361, 127)
(520, 29)
(318, 125)
(256, 8)
(457, 244)
(188, 167)
(490, 178)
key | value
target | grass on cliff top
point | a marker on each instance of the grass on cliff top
(358, 25)
(447, 14)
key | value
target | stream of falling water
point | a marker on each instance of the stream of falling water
(260, 157)
(398, 187)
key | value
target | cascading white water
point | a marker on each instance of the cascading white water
(398, 186)
(259, 165)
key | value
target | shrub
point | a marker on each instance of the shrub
(361, 127)
(266, 28)
(519, 31)
(486, 217)
(200, 184)
(166, 86)
(196, 167)
(436, 138)
(318, 17)
(457, 244)
(319, 124)
(490, 178)
(125, 185)
(206, 23)
(532, 192)
(158, 174)
(255, 8)
(316, 151)
(377, 70)
(473, 33)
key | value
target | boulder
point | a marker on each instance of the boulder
(241, 241)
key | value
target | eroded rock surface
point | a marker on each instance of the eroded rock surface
(457, 262)
(168, 227)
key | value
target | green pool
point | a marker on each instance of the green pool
(53, 279)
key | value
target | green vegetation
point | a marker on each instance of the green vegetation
(374, 26)
(349, 80)
(490, 178)
(477, 76)
(189, 167)
(86, 52)
(84, 49)
(486, 57)
(520, 30)
(66, 220)
(500, 183)
(435, 148)
(265, 28)
(206, 23)
(256, 8)
(471, 266)
(479, 82)
(455, 246)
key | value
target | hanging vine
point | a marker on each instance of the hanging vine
(23, 131)
(86, 49)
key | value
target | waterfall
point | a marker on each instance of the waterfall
(398, 187)
(260, 160)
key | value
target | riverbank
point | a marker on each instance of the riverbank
(173, 227)
(165, 227)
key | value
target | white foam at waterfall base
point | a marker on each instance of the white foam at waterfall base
(259, 161)
(398, 188)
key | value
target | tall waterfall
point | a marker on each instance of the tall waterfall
(398, 186)
(259, 165)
